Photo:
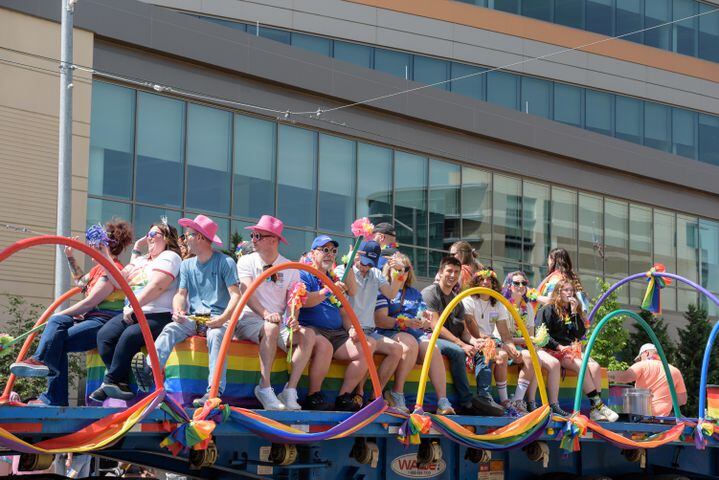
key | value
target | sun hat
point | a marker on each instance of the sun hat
(204, 225)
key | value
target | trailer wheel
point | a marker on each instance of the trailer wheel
(34, 461)
(203, 458)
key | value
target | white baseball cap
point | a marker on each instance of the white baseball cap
(645, 348)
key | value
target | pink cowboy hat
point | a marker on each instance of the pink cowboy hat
(269, 224)
(203, 225)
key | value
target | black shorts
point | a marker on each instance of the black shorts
(337, 337)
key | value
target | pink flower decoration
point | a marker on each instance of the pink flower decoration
(362, 226)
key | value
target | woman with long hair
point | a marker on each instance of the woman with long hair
(467, 256)
(75, 328)
(564, 320)
(515, 290)
(402, 319)
(559, 267)
(153, 279)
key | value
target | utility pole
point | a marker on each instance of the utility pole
(64, 166)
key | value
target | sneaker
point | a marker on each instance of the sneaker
(316, 401)
(444, 407)
(520, 407)
(288, 397)
(98, 395)
(37, 403)
(509, 410)
(396, 401)
(486, 406)
(200, 402)
(609, 414)
(268, 399)
(557, 410)
(120, 391)
(346, 403)
(531, 406)
(29, 368)
(142, 372)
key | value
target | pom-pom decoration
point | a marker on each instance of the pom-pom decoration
(489, 350)
(532, 294)
(541, 337)
(296, 299)
(96, 236)
(575, 350)
(362, 227)
(403, 321)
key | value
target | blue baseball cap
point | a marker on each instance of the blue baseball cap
(370, 253)
(323, 240)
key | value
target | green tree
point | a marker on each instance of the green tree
(692, 342)
(613, 337)
(639, 337)
(21, 316)
(235, 240)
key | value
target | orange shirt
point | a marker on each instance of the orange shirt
(650, 375)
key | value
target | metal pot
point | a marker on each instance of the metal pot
(638, 401)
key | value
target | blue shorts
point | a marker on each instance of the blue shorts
(419, 335)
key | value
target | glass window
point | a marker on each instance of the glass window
(209, 141)
(599, 16)
(535, 217)
(435, 256)
(539, 9)
(312, 43)
(709, 255)
(101, 211)
(511, 6)
(353, 53)
(599, 112)
(477, 209)
(569, 13)
(685, 32)
(687, 247)
(640, 247)
(410, 204)
(296, 176)
(239, 234)
(145, 217)
(281, 36)
(564, 220)
(665, 250)
(657, 126)
(337, 183)
(431, 70)
(504, 268)
(536, 97)
(374, 183)
(298, 242)
(502, 89)
(393, 62)
(254, 177)
(507, 211)
(708, 33)
(709, 138)
(471, 86)
(684, 133)
(224, 23)
(686, 297)
(112, 138)
(657, 12)
(160, 150)
(568, 104)
(444, 223)
(628, 119)
(630, 18)
(591, 237)
(616, 238)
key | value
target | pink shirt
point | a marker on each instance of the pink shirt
(650, 374)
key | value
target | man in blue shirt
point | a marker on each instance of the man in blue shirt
(208, 291)
(335, 335)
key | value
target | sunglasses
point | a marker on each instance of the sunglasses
(258, 236)
(327, 250)
(192, 235)
(520, 284)
(154, 233)
(272, 278)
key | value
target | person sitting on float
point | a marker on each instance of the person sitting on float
(207, 294)
(559, 266)
(404, 319)
(335, 335)
(153, 279)
(495, 325)
(515, 290)
(565, 323)
(75, 328)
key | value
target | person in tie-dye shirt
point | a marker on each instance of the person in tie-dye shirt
(559, 265)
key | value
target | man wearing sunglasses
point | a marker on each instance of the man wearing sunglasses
(334, 334)
(208, 287)
(261, 320)
(386, 235)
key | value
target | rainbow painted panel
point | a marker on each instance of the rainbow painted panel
(186, 376)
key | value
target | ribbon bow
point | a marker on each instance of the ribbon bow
(652, 301)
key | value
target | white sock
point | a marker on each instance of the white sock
(522, 386)
(502, 389)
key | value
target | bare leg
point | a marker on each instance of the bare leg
(575, 364)
(437, 373)
(357, 367)
(304, 340)
(268, 348)
(393, 354)
(320, 363)
(407, 362)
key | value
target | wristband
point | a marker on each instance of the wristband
(136, 252)
(326, 291)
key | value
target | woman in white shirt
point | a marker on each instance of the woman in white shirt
(153, 279)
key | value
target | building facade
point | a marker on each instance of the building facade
(611, 152)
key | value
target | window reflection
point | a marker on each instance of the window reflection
(564, 220)
(507, 208)
(374, 183)
(254, 164)
(535, 218)
(477, 209)
(410, 204)
(616, 238)
(337, 181)
(444, 223)
(590, 260)
(296, 176)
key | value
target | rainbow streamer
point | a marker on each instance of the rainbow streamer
(417, 422)
(652, 301)
(197, 433)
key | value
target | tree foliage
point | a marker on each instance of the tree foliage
(639, 337)
(613, 338)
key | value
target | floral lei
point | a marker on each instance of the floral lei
(332, 298)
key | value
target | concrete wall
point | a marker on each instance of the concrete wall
(29, 105)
